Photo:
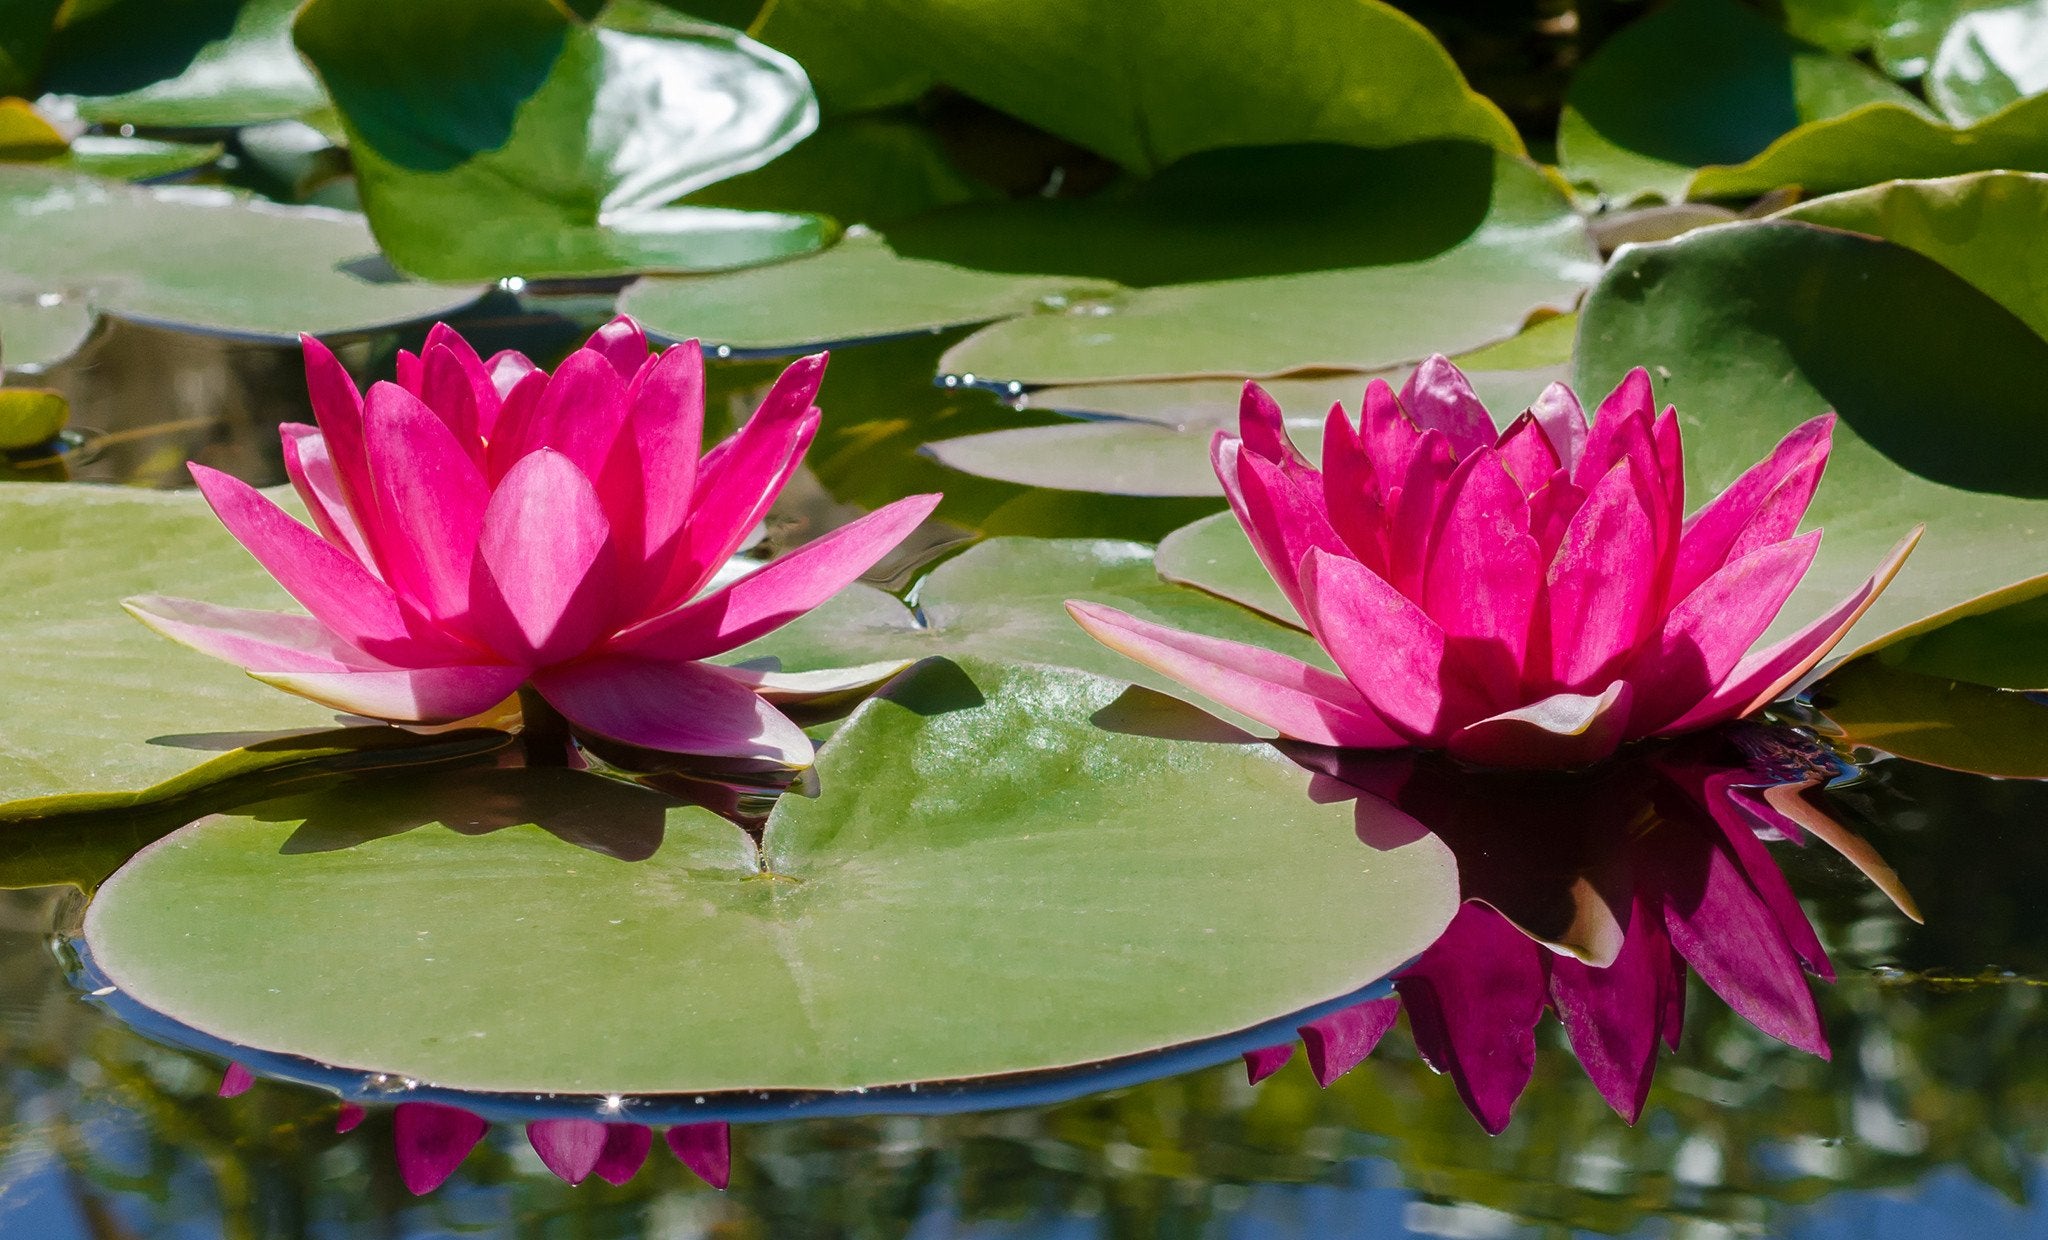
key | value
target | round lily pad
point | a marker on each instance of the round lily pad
(1009, 870)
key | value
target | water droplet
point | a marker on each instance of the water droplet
(104, 991)
(513, 284)
(47, 300)
(724, 350)
(386, 1083)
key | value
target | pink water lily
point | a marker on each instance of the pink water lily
(482, 525)
(1531, 597)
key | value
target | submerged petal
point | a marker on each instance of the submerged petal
(1613, 1015)
(1339, 1042)
(678, 707)
(1473, 1001)
(625, 1151)
(432, 1141)
(1264, 1062)
(705, 1149)
(568, 1147)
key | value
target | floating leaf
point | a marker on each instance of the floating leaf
(40, 329)
(1989, 60)
(858, 288)
(201, 258)
(1699, 82)
(209, 64)
(1213, 555)
(505, 137)
(69, 555)
(1526, 251)
(30, 417)
(992, 882)
(858, 170)
(1751, 329)
(1901, 35)
(1147, 82)
(2000, 638)
(1938, 721)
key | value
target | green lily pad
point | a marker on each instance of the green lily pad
(1699, 82)
(873, 169)
(858, 288)
(1213, 555)
(1751, 329)
(1153, 438)
(136, 159)
(1900, 35)
(1938, 721)
(1989, 60)
(96, 702)
(30, 417)
(1885, 142)
(507, 137)
(201, 258)
(40, 329)
(1147, 82)
(1985, 227)
(1003, 600)
(990, 883)
(202, 64)
(1527, 251)
(1999, 638)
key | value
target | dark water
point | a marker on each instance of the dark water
(1931, 1118)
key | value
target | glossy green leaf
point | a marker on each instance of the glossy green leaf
(874, 169)
(1525, 251)
(504, 137)
(2000, 639)
(136, 159)
(30, 417)
(201, 258)
(858, 288)
(69, 555)
(199, 64)
(1213, 555)
(1989, 60)
(1938, 721)
(1694, 83)
(1004, 600)
(991, 882)
(1984, 227)
(1751, 329)
(1883, 142)
(1147, 82)
(1901, 35)
(38, 329)
(1153, 438)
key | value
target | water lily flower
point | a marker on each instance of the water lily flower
(481, 525)
(1533, 597)
(1591, 900)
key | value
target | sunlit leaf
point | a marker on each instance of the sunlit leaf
(996, 879)
(504, 137)
(1933, 719)
(200, 258)
(1989, 60)
(30, 416)
(199, 64)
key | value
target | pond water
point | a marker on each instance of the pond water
(1930, 1119)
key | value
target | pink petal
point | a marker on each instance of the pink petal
(786, 688)
(338, 408)
(680, 707)
(1716, 794)
(1297, 700)
(1264, 1062)
(568, 1147)
(1630, 405)
(1483, 575)
(409, 371)
(515, 433)
(545, 576)
(1598, 588)
(786, 588)
(622, 343)
(1705, 636)
(404, 695)
(1280, 508)
(1438, 397)
(705, 1149)
(1763, 506)
(1388, 648)
(579, 414)
(1264, 428)
(1473, 1001)
(1558, 412)
(1414, 506)
(348, 1117)
(625, 1150)
(1527, 453)
(451, 392)
(1551, 509)
(1721, 926)
(432, 1141)
(1351, 497)
(1387, 434)
(271, 641)
(506, 368)
(738, 481)
(1339, 1042)
(1562, 731)
(311, 470)
(323, 578)
(430, 500)
(236, 1081)
(1613, 1014)
(1763, 675)
(651, 476)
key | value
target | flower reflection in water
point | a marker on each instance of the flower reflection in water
(1590, 896)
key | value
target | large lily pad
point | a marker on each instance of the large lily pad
(1147, 82)
(1938, 721)
(1699, 82)
(509, 137)
(991, 883)
(95, 702)
(209, 64)
(1900, 35)
(201, 258)
(1989, 60)
(38, 329)
(1753, 328)
(1526, 251)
